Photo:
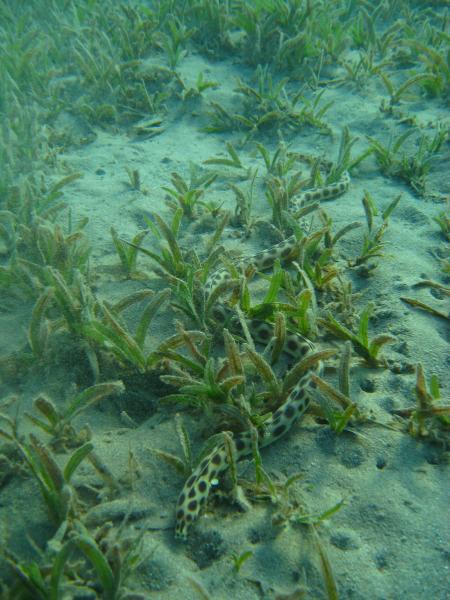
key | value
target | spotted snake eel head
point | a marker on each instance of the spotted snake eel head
(197, 488)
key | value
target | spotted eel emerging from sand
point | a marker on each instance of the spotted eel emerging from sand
(196, 489)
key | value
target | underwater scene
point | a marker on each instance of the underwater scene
(224, 299)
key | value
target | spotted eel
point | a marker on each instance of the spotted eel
(195, 492)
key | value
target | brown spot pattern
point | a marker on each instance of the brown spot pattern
(197, 486)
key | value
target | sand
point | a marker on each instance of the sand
(389, 540)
